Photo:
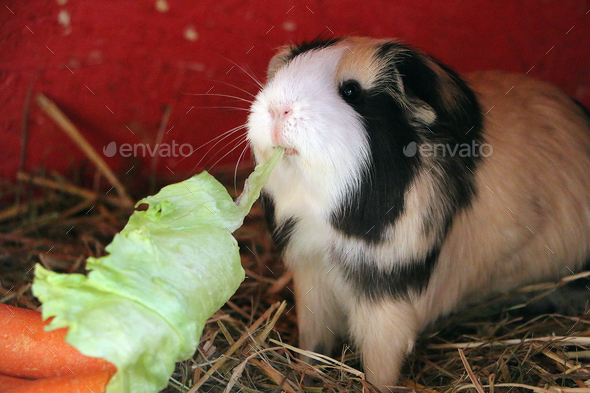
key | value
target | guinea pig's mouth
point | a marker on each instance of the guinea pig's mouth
(290, 151)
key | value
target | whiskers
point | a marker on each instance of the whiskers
(220, 147)
(236, 87)
(233, 143)
(242, 141)
(238, 164)
(247, 72)
(221, 95)
(237, 108)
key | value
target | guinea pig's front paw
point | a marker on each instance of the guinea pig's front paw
(384, 331)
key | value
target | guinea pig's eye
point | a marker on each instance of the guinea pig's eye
(350, 91)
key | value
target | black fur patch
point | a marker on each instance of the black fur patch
(280, 234)
(381, 197)
(584, 109)
(305, 46)
(373, 283)
(587, 113)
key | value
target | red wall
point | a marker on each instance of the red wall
(116, 64)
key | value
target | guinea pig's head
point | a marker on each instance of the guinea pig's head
(347, 108)
(306, 106)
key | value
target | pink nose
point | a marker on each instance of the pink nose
(279, 114)
(278, 118)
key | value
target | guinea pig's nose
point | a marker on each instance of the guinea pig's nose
(279, 114)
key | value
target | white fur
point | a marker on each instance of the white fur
(323, 129)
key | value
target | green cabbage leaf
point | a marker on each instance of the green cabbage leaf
(143, 306)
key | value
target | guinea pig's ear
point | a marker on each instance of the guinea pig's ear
(418, 84)
(278, 60)
(434, 91)
(418, 112)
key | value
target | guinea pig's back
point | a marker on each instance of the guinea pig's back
(530, 220)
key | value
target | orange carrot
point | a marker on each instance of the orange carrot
(28, 351)
(11, 382)
(81, 383)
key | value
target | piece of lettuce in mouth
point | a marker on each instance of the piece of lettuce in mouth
(143, 307)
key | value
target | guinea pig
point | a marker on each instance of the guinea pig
(407, 191)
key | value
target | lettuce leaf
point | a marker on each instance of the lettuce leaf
(143, 307)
